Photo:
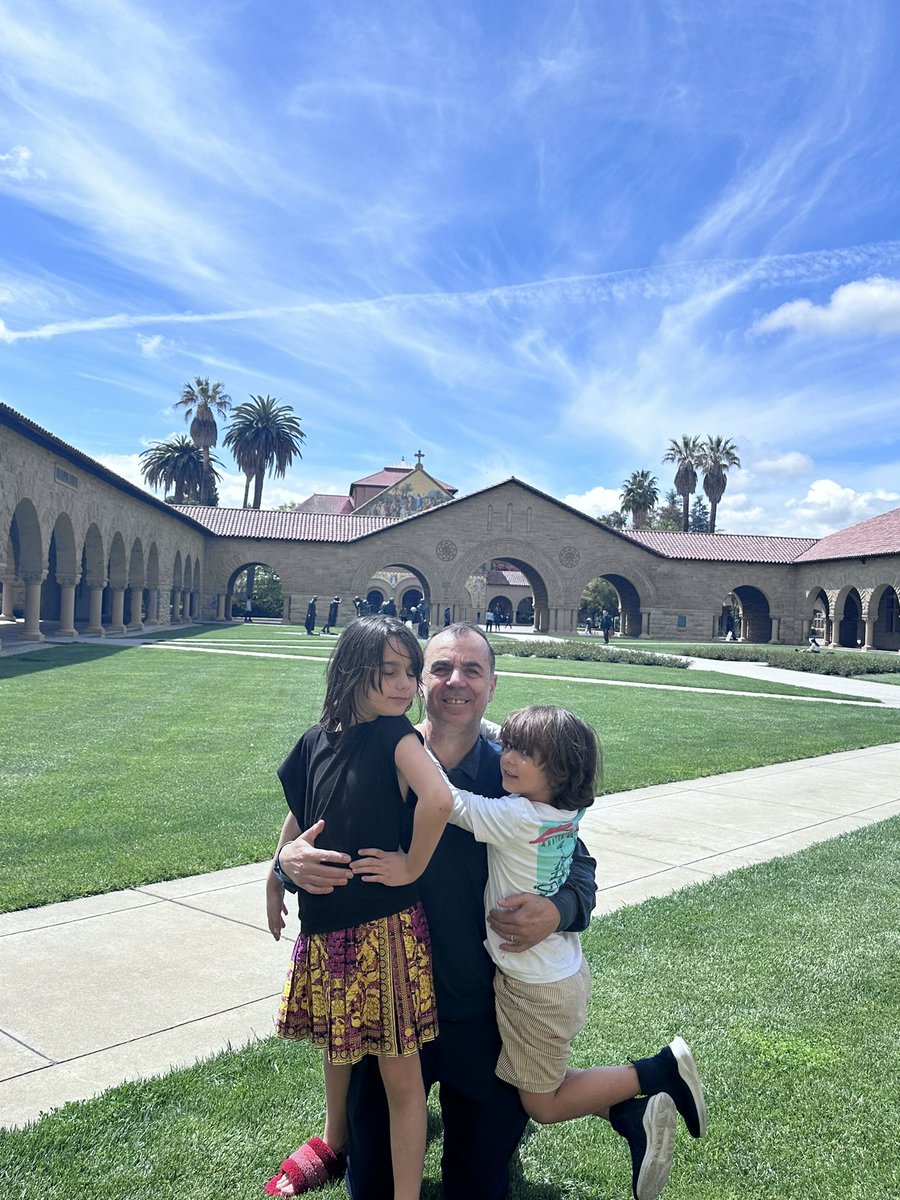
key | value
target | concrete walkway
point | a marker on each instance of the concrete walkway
(135, 983)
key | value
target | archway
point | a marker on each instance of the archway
(886, 610)
(602, 595)
(755, 616)
(267, 597)
(851, 630)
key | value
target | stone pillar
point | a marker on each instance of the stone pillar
(152, 606)
(869, 643)
(66, 606)
(117, 613)
(163, 610)
(220, 606)
(542, 619)
(8, 589)
(95, 619)
(775, 636)
(31, 630)
(136, 625)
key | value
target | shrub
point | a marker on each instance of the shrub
(587, 651)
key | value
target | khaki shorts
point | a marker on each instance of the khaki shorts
(538, 1023)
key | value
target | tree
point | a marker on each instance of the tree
(668, 517)
(717, 455)
(640, 492)
(685, 452)
(201, 401)
(598, 594)
(613, 519)
(176, 464)
(264, 436)
(699, 516)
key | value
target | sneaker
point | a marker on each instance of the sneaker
(648, 1125)
(683, 1085)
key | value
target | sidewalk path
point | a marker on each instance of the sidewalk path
(135, 983)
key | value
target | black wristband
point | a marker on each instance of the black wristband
(287, 884)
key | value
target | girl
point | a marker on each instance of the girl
(360, 976)
(549, 760)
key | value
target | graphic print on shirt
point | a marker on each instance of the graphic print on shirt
(555, 845)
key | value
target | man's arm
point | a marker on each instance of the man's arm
(526, 919)
(315, 871)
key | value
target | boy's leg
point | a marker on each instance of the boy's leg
(673, 1070)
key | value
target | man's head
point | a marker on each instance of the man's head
(459, 679)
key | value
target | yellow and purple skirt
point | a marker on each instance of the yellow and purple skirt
(363, 990)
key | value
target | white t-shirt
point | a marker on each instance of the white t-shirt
(530, 848)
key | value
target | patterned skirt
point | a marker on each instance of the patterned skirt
(363, 990)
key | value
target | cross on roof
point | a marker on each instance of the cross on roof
(419, 456)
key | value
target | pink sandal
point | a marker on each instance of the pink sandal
(311, 1166)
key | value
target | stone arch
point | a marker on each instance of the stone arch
(380, 560)
(226, 599)
(554, 608)
(116, 573)
(882, 618)
(818, 615)
(755, 613)
(152, 579)
(635, 590)
(27, 540)
(62, 574)
(848, 618)
(93, 557)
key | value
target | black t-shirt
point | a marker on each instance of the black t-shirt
(349, 780)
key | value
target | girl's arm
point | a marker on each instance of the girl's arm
(276, 910)
(434, 801)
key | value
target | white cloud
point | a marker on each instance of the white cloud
(867, 306)
(784, 466)
(829, 506)
(150, 346)
(17, 164)
(597, 502)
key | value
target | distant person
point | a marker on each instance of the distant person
(357, 601)
(389, 608)
(509, 618)
(248, 610)
(589, 627)
(332, 614)
(606, 624)
(489, 620)
(422, 618)
(448, 617)
(814, 646)
(311, 616)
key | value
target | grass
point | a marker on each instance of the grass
(125, 765)
(782, 976)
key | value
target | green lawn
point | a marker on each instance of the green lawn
(782, 976)
(124, 764)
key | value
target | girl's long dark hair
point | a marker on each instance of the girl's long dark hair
(357, 666)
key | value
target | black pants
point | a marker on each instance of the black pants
(482, 1117)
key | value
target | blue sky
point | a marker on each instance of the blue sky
(528, 238)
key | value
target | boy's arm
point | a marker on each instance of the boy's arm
(433, 805)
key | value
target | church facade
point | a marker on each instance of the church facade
(84, 552)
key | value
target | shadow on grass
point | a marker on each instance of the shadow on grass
(51, 657)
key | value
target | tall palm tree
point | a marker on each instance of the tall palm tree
(264, 436)
(717, 455)
(684, 451)
(201, 401)
(176, 464)
(640, 492)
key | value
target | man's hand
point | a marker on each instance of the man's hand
(276, 909)
(389, 867)
(523, 920)
(315, 871)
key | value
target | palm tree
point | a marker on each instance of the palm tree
(176, 464)
(264, 436)
(640, 492)
(684, 451)
(717, 454)
(202, 401)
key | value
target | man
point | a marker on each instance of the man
(332, 614)
(483, 1118)
(311, 616)
(248, 610)
(606, 624)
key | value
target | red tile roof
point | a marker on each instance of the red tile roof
(283, 526)
(507, 579)
(878, 535)
(720, 547)
(321, 502)
(391, 475)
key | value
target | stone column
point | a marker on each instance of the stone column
(136, 625)
(869, 643)
(163, 612)
(66, 606)
(220, 606)
(95, 619)
(31, 630)
(152, 606)
(8, 589)
(117, 613)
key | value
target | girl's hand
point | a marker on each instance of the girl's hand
(389, 867)
(276, 909)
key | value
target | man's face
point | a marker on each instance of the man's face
(458, 680)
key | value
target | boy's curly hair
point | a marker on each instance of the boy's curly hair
(564, 746)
